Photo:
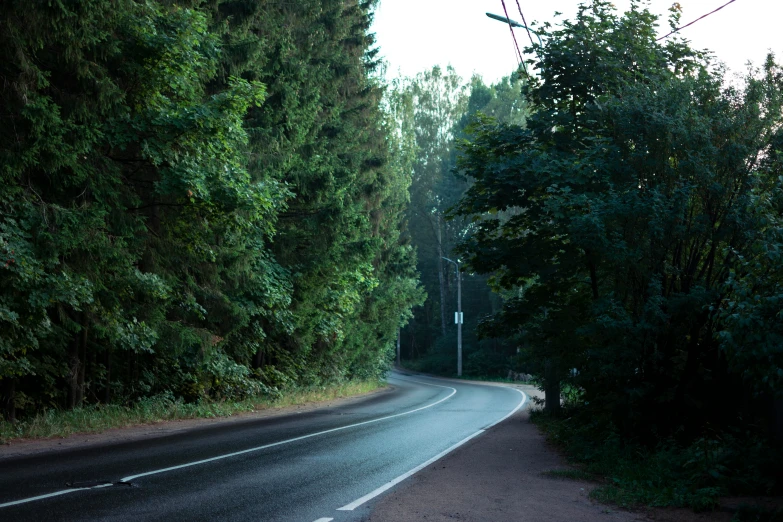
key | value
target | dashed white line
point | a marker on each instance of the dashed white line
(324, 520)
(251, 450)
(372, 494)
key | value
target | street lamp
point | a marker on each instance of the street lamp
(398, 348)
(512, 23)
(458, 319)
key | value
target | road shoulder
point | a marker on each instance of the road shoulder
(497, 477)
(29, 447)
(500, 476)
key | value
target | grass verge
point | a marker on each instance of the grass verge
(98, 418)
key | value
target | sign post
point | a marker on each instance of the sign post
(458, 317)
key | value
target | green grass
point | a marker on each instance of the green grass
(98, 418)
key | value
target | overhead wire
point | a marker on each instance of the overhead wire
(516, 55)
(524, 22)
(677, 29)
(520, 60)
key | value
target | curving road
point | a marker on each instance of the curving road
(328, 464)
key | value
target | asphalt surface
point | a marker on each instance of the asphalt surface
(338, 456)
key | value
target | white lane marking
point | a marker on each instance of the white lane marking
(265, 446)
(234, 454)
(48, 495)
(324, 520)
(372, 494)
(512, 412)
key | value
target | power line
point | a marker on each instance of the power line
(524, 22)
(514, 50)
(699, 18)
(516, 44)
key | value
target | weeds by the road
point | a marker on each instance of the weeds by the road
(668, 474)
(93, 419)
(756, 514)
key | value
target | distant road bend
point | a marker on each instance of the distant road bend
(323, 465)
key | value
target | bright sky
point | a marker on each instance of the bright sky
(414, 35)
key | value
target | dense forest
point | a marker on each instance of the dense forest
(199, 199)
(633, 225)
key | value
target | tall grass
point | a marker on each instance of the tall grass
(98, 418)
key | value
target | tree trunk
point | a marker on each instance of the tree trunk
(134, 369)
(258, 359)
(551, 388)
(441, 280)
(82, 365)
(107, 365)
(9, 399)
(428, 332)
(778, 406)
(593, 275)
(73, 373)
(691, 363)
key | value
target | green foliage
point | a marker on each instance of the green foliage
(667, 474)
(190, 208)
(622, 218)
(632, 227)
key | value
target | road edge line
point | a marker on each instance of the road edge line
(242, 452)
(374, 493)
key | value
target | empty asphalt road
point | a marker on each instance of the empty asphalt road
(331, 463)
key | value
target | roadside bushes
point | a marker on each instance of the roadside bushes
(634, 225)
(696, 475)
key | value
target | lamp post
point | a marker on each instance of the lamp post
(512, 23)
(398, 347)
(458, 317)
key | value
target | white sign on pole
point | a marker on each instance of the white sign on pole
(459, 318)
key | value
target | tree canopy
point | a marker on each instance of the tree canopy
(633, 224)
(198, 199)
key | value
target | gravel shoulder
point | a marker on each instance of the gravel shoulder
(499, 477)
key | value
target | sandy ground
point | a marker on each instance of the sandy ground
(22, 447)
(498, 477)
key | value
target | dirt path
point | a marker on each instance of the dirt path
(498, 477)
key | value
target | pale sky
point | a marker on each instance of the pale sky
(414, 35)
